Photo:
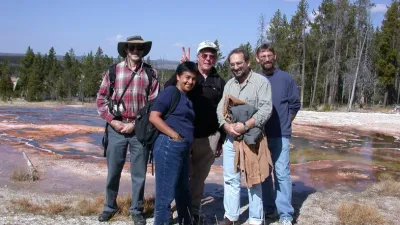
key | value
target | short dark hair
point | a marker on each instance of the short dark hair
(265, 47)
(239, 51)
(187, 66)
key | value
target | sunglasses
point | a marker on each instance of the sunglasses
(137, 47)
(205, 56)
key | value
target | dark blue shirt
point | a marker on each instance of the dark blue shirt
(182, 119)
(285, 101)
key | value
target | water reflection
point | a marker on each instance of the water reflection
(321, 157)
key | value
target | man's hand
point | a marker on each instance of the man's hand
(128, 128)
(229, 128)
(239, 128)
(185, 55)
(292, 117)
(218, 151)
(117, 125)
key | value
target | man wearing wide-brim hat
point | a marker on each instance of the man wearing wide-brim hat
(119, 113)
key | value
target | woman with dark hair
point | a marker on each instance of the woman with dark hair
(171, 149)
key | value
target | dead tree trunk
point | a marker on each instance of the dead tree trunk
(316, 77)
(385, 100)
(303, 83)
(358, 69)
(326, 89)
(398, 90)
(334, 80)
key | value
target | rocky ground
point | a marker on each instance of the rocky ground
(68, 179)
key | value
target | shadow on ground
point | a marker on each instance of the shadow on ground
(212, 210)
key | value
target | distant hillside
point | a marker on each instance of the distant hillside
(15, 59)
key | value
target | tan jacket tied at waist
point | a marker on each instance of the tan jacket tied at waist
(254, 161)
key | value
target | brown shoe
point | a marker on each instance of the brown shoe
(226, 221)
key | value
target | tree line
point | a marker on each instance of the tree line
(337, 58)
(46, 78)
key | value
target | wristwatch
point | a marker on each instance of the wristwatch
(246, 128)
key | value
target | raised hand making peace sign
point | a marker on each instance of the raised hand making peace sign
(185, 55)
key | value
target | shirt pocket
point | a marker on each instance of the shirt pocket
(251, 101)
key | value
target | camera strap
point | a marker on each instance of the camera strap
(125, 89)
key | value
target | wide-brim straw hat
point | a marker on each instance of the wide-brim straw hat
(134, 40)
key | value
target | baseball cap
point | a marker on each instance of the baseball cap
(206, 44)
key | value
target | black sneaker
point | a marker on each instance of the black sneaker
(270, 216)
(106, 216)
(138, 219)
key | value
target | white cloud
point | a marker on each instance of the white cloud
(116, 38)
(379, 8)
(178, 44)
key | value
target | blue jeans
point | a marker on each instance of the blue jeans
(171, 160)
(116, 155)
(279, 197)
(232, 189)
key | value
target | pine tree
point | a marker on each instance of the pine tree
(25, 71)
(34, 92)
(261, 31)
(389, 57)
(221, 66)
(278, 33)
(298, 26)
(6, 85)
(88, 72)
(51, 74)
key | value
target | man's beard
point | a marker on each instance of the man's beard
(267, 66)
(244, 72)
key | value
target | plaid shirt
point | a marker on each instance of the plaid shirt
(134, 97)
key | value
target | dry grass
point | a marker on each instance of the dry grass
(148, 204)
(124, 202)
(81, 207)
(87, 207)
(354, 213)
(387, 186)
(54, 208)
(24, 205)
(20, 175)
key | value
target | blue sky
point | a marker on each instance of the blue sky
(86, 24)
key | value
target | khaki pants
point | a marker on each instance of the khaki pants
(202, 157)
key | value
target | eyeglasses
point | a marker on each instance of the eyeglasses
(204, 56)
(137, 47)
(239, 64)
(264, 57)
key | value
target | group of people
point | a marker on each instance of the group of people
(246, 119)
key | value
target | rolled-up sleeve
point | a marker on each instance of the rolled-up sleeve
(103, 98)
(264, 104)
(155, 87)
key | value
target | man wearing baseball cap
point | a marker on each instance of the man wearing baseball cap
(205, 97)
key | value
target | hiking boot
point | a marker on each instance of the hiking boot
(138, 219)
(106, 216)
(286, 222)
(226, 221)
